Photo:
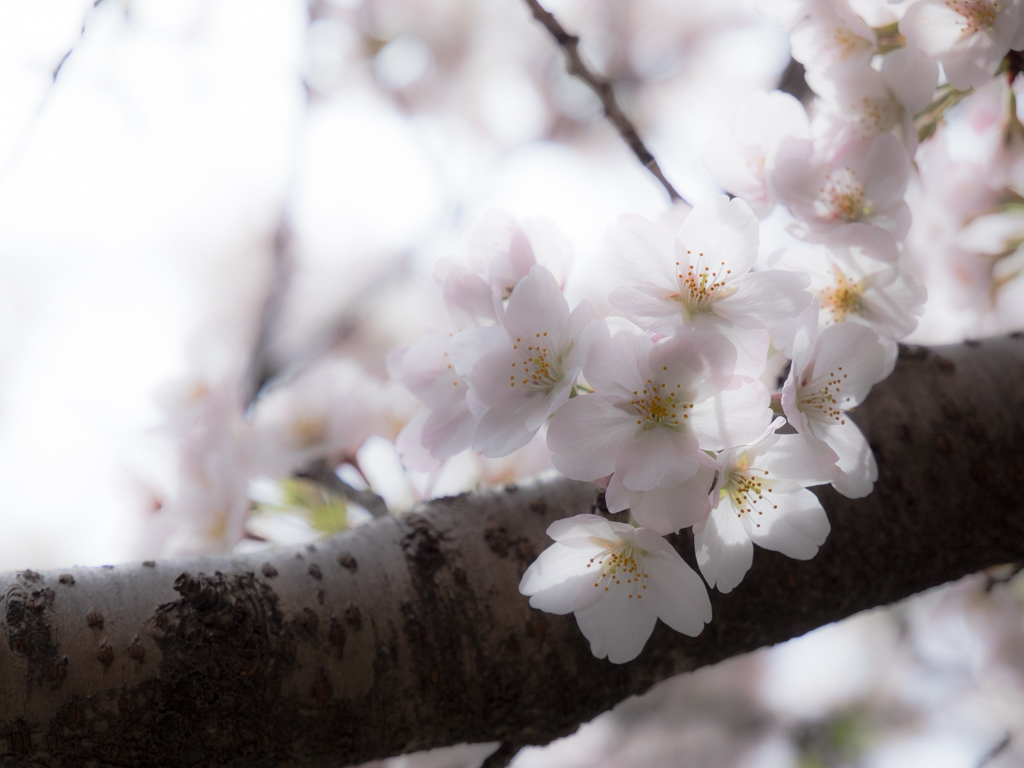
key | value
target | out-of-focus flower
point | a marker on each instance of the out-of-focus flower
(968, 37)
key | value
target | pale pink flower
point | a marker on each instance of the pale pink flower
(446, 425)
(853, 285)
(739, 161)
(655, 407)
(327, 411)
(968, 37)
(521, 371)
(831, 34)
(864, 102)
(702, 279)
(831, 374)
(665, 510)
(863, 182)
(761, 498)
(618, 581)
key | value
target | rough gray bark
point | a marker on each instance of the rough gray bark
(410, 633)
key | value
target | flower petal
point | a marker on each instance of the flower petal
(724, 551)
(586, 435)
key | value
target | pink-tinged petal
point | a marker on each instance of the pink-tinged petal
(734, 417)
(851, 355)
(502, 430)
(750, 347)
(659, 458)
(861, 242)
(581, 527)
(797, 418)
(912, 77)
(724, 551)
(467, 297)
(615, 352)
(667, 510)
(649, 306)
(617, 626)
(719, 232)
(856, 460)
(886, 173)
(616, 495)
(409, 444)
(695, 363)
(768, 298)
(579, 319)
(796, 527)
(643, 250)
(729, 164)
(558, 581)
(931, 27)
(586, 435)
(795, 457)
(467, 348)
(537, 312)
(677, 593)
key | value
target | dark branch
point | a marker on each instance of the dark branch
(570, 44)
(321, 472)
(410, 633)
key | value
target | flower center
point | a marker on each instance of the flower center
(541, 370)
(842, 196)
(821, 403)
(974, 15)
(699, 286)
(620, 565)
(746, 489)
(842, 298)
(659, 407)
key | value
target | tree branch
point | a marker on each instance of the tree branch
(570, 45)
(409, 633)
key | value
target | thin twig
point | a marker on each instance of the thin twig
(502, 756)
(997, 750)
(570, 44)
(321, 472)
(262, 367)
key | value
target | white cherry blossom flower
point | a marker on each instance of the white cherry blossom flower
(446, 425)
(865, 102)
(851, 285)
(655, 407)
(831, 374)
(618, 581)
(666, 510)
(831, 34)
(761, 498)
(739, 161)
(968, 37)
(703, 279)
(862, 182)
(521, 371)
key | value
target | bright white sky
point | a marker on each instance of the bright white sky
(139, 195)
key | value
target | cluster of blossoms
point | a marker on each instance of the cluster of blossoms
(718, 390)
(713, 389)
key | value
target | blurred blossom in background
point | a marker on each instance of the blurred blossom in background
(205, 199)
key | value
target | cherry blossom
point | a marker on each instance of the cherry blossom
(862, 182)
(831, 374)
(968, 37)
(761, 498)
(852, 286)
(520, 371)
(618, 581)
(655, 408)
(702, 279)
(831, 34)
(765, 122)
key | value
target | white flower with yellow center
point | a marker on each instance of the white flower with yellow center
(655, 408)
(520, 371)
(968, 37)
(761, 498)
(618, 581)
(700, 278)
(833, 372)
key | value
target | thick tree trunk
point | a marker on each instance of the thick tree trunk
(410, 633)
